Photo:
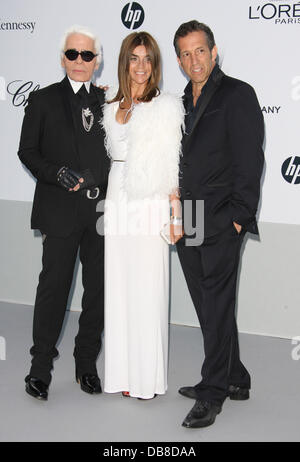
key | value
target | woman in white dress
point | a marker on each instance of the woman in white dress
(143, 138)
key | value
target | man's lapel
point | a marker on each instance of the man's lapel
(66, 89)
(217, 78)
(95, 92)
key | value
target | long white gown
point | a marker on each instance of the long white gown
(136, 285)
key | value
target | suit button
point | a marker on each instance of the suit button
(188, 193)
(185, 164)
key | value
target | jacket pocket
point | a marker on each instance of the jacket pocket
(209, 113)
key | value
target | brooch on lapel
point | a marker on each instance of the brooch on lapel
(87, 119)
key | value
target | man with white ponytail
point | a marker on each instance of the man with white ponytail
(62, 144)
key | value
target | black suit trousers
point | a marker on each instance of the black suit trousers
(59, 257)
(211, 274)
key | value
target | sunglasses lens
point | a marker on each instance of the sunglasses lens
(87, 56)
(71, 55)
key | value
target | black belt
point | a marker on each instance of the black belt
(90, 193)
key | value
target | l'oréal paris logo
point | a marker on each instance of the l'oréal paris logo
(19, 90)
(16, 26)
(281, 12)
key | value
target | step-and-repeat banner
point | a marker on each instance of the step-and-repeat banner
(257, 42)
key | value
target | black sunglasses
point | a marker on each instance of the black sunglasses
(87, 56)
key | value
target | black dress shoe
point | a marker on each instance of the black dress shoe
(238, 393)
(201, 415)
(234, 393)
(90, 383)
(189, 392)
(36, 388)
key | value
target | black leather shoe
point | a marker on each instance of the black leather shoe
(201, 415)
(188, 392)
(36, 388)
(238, 393)
(234, 393)
(90, 383)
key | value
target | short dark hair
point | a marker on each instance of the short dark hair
(193, 26)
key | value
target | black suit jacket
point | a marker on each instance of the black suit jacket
(222, 158)
(48, 143)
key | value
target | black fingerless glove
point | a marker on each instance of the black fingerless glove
(67, 178)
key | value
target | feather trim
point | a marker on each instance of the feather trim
(154, 145)
(107, 119)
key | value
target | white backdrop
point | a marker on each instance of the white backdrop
(257, 42)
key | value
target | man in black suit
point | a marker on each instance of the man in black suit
(221, 165)
(62, 144)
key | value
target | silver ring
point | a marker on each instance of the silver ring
(88, 193)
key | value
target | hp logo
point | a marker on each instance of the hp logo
(291, 170)
(132, 15)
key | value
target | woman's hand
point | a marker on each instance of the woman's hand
(176, 228)
(176, 232)
(103, 87)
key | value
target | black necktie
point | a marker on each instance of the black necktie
(82, 94)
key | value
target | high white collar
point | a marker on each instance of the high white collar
(77, 85)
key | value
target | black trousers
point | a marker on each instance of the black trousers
(211, 274)
(59, 257)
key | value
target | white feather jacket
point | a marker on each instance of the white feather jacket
(154, 144)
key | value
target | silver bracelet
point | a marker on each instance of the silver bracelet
(176, 221)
